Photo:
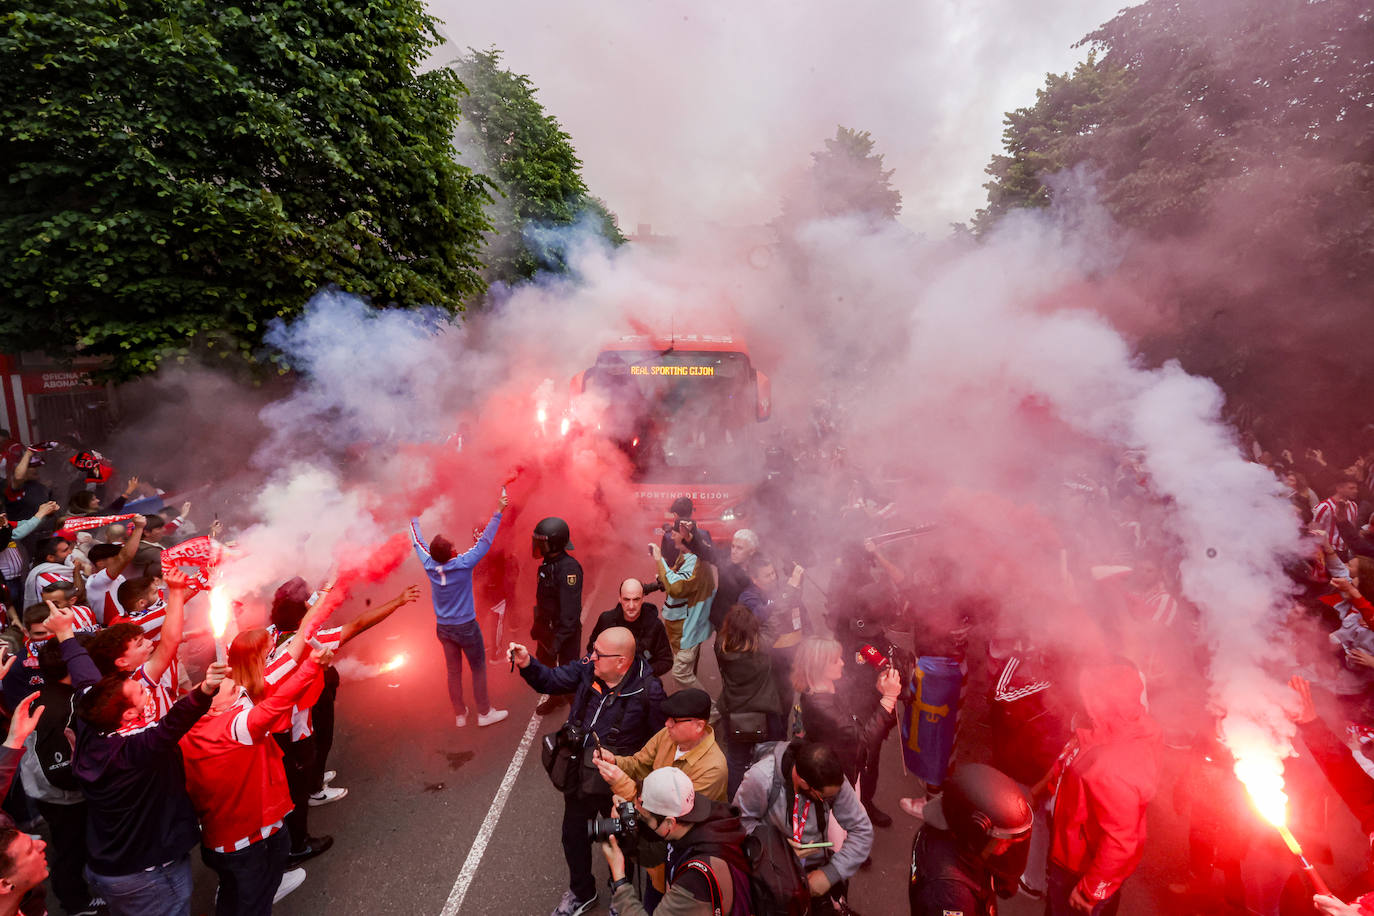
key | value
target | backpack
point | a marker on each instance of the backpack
(741, 903)
(777, 881)
(53, 739)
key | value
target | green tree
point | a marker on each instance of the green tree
(1233, 140)
(846, 178)
(180, 172)
(532, 163)
(1041, 140)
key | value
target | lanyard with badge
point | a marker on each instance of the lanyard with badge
(799, 823)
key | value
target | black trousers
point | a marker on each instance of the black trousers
(322, 720)
(67, 854)
(577, 849)
(298, 758)
(249, 878)
(553, 655)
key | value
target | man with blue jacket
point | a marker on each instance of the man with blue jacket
(450, 582)
(617, 705)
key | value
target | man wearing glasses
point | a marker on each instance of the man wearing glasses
(617, 704)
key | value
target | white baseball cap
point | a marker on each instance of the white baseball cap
(668, 792)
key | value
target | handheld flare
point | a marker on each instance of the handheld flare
(1265, 785)
(219, 619)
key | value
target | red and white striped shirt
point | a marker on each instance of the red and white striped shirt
(1325, 517)
(162, 693)
(279, 666)
(85, 619)
(149, 621)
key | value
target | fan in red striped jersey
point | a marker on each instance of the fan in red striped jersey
(152, 662)
(1339, 508)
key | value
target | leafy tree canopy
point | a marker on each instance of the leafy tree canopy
(532, 163)
(846, 178)
(183, 172)
(1235, 138)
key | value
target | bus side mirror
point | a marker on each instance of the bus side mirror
(578, 384)
(764, 406)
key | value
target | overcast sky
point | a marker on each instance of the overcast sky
(685, 113)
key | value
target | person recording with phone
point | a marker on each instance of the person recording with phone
(617, 705)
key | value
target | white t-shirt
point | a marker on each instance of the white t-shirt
(97, 587)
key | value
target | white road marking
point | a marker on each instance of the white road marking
(479, 844)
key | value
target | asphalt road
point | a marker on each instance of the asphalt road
(421, 792)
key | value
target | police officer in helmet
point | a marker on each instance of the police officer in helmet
(557, 629)
(973, 845)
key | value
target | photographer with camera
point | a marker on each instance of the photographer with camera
(616, 706)
(706, 867)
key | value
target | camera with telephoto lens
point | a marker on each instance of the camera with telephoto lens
(624, 827)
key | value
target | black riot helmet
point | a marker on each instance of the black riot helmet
(552, 535)
(989, 816)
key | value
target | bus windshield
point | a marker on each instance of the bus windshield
(679, 415)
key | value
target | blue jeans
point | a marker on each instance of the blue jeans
(1061, 885)
(249, 878)
(465, 639)
(161, 891)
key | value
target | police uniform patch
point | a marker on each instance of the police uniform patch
(572, 580)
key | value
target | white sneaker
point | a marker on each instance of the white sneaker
(328, 777)
(290, 880)
(491, 716)
(326, 795)
(462, 720)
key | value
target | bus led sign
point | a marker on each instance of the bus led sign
(672, 370)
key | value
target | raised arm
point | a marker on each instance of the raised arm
(26, 527)
(370, 618)
(126, 553)
(16, 481)
(178, 589)
(62, 623)
(417, 540)
(474, 554)
(259, 720)
(326, 600)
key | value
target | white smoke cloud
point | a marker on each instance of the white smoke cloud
(685, 116)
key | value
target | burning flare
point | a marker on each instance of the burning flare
(392, 665)
(219, 619)
(1263, 779)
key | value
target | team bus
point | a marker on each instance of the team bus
(685, 410)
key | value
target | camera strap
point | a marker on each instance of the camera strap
(710, 876)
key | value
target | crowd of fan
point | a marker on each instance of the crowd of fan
(810, 689)
(126, 764)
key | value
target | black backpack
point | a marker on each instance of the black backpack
(777, 881)
(53, 739)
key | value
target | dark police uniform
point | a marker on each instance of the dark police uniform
(946, 883)
(557, 629)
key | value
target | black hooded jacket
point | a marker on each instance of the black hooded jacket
(719, 838)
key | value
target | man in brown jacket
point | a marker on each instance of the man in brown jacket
(685, 742)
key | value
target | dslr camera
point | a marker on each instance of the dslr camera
(624, 827)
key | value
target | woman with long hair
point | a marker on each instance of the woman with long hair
(236, 780)
(832, 718)
(690, 585)
(750, 709)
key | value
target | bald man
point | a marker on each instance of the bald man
(618, 699)
(640, 618)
